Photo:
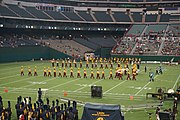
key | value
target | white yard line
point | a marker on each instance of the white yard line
(176, 82)
(39, 65)
(16, 81)
(144, 86)
(63, 83)
(8, 77)
(114, 87)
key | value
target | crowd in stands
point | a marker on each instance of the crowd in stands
(163, 42)
(15, 40)
(171, 46)
(124, 46)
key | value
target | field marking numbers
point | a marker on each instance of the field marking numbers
(138, 88)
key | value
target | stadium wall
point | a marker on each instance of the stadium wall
(104, 52)
(150, 58)
(29, 53)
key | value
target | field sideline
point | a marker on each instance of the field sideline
(114, 91)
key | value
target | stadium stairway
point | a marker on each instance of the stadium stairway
(112, 17)
(134, 48)
(144, 30)
(161, 47)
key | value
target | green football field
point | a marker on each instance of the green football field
(115, 91)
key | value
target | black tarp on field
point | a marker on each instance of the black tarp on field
(102, 112)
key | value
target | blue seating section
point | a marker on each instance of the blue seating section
(155, 28)
(102, 16)
(136, 30)
(72, 16)
(121, 17)
(137, 16)
(151, 18)
(164, 18)
(38, 13)
(56, 15)
(20, 11)
(136, 0)
(85, 15)
(152, 0)
(4, 11)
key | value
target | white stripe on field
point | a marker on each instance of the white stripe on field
(176, 82)
(114, 87)
(8, 77)
(146, 85)
(142, 88)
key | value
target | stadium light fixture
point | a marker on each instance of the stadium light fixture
(1, 25)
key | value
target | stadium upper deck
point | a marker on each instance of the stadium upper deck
(148, 13)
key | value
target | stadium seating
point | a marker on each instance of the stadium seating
(86, 16)
(87, 43)
(69, 47)
(137, 16)
(37, 13)
(135, 30)
(102, 40)
(14, 40)
(147, 47)
(165, 18)
(4, 11)
(20, 11)
(155, 28)
(174, 17)
(72, 16)
(121, 17)
(171, 46)
(56, 15)
(174, 30)
(125, 47)
(102, 16)
(151, 17)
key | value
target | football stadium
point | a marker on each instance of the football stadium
(89, 59)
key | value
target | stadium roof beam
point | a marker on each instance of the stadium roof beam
(48, 15)
(110, 14)
(144, 16)
(129, 14)
(92, 15)
(79, 16)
